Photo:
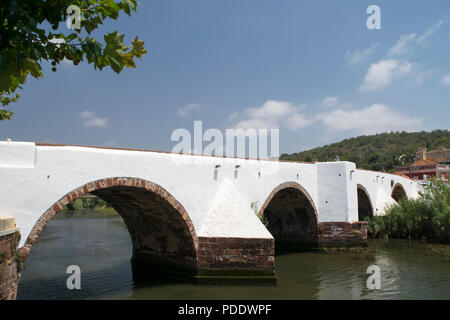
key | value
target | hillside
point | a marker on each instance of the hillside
(376, 152)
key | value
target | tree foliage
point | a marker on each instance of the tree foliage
(30, 34)
(87, 203)
(376, 152)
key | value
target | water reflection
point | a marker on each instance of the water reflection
(102, 248)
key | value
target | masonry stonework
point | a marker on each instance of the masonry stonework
(9, 261)
(342, 232)
(236, 257)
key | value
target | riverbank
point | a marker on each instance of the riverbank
(442, 250)
(87, 213)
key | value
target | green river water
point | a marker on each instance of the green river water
(101, 247)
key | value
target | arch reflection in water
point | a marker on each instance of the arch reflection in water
(102, 248)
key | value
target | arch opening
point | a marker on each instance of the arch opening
(398, 192)
(291, 217)
(365, 208)
(162, 235)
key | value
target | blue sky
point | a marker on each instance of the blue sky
(311, 68)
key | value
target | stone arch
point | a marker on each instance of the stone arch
(161, 231)
(398, 192)
(365, 207)
(291, 216)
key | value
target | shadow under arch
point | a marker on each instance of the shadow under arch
(398, 192)
(365, 207)
(163, 236)
(291, 217)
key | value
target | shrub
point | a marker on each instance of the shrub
(425, 218)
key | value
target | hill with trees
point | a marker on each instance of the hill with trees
(378, 152)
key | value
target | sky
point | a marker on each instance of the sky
(313, 69)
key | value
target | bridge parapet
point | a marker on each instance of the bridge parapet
(17, 154)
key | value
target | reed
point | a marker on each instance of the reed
(425, 218)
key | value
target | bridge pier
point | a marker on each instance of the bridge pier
(9, 259)
(342, 233)
(219, 259)
(229, 259)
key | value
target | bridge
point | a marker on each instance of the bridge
(205, 217)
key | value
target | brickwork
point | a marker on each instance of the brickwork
(291, 217)
(114, 184)
(9, 273)
(225, 256)
(398, 192)
(288, 185)
(338, 232)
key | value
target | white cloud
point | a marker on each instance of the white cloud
(271, 115)
(233, 116)
(297, 121)
(330, 101)
(272, 110)
(96, 122)
(373, 119)
(369, 120)
(257, 124)
(403, 46)
(355, 56)
(87, 114)
(186, 110)
(446, 79)
(419, 77)
(92, 121)
(422, 40)
(382, 73)
(407, 42)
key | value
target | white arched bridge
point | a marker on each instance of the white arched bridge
(203, 216)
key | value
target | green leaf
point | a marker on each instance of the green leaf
(23, 24)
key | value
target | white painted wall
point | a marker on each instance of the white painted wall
(337, 198)
(34, 177)
(378, 185)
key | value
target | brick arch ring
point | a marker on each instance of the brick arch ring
(398, 186)
(104, 184)
(287, 185)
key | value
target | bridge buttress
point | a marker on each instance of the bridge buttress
(10, 261)
(236, 259)
(233, 244)
(338, 204)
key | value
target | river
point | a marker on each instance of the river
(101, 247)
